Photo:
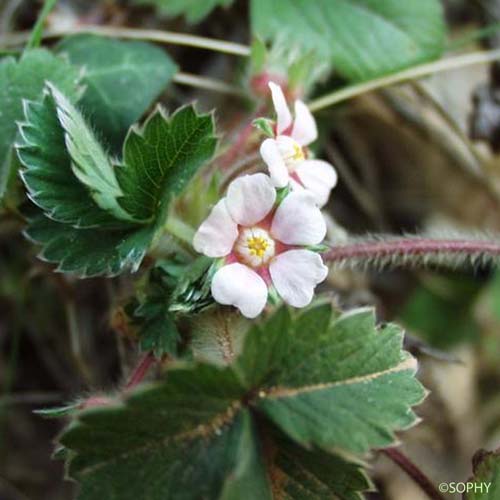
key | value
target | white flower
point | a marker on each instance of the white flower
(261, 245)
(285, 155)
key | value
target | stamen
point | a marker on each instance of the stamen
(298, 152)
(257, 245)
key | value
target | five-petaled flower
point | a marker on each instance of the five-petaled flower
(263, 245)
(286, 154)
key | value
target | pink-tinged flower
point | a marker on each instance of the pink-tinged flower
(263, 245)
(286, 154)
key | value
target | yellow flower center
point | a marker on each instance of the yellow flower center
(257, 245)
(298, 153)
(291, 152)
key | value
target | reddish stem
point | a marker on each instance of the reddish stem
(414, 472)
(410, 246)
(140, 371)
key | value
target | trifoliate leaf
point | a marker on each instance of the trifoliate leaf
(361, 38)
(89, 162)
(122, 79)
(161, 157)
(25, 79)
(69, 176)
(331, 384)
(194, 10)
(485, 483)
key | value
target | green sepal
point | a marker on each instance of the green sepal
(265, 125)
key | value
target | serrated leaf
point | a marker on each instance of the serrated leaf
(161, 157)
(47, 172)
(485, 484)
(299, 473)
(179, 435)
(122, 79)
(69, 176)
(25, 79)
(173, 287)
(90, 252)
(89, 162)
(194, 10)
(340, 383)
(158, 331)
(200, 443)
(362, 39)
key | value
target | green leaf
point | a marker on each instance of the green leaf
(92, 228)
(90, 252)
(158, 331)
(341, 384)
(73, 230)
(194, 10)
(48, 174)
(184, 436)
(122, 79)
(303, 473)
(89, 162)
(331, 384)
(485, 484)
(161, 157)
(361, 38)
(25, 79)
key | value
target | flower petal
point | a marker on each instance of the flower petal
(295, 274)
(274, 161)
(250, 198)
(304, 127)
(298, 220)
(237, 285)
(283, 115)
(217, 233)
(319, 177)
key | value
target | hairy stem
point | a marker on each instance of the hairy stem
(167, 37)
(414, 472)
(380, 251)
(140, 371)
(481, 57)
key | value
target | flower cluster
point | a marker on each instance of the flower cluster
(264, 240)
